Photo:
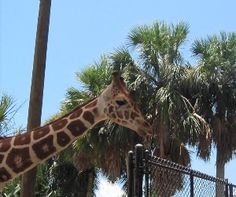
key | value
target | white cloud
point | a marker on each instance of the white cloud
(107, 189)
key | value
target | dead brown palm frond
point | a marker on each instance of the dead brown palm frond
(232, 130)
(204, 145)
(83, 161)
(205, 126)
(112, 163)
(224, 138)
(177, 152)
(184, 156)
(84, 154)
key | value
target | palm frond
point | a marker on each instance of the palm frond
(7, 112)
(96, 76)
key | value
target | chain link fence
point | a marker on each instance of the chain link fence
(152, 176)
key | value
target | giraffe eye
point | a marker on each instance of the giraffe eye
(121, 102)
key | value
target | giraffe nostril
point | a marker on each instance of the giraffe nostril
(146, 124)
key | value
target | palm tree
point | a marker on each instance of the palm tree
(163, 84)
(163, 72)
(37, 85)
(217, 68)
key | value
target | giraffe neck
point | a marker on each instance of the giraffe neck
(21, 153)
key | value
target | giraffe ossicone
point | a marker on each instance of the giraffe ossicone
(21, 153)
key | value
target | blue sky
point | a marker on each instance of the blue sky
(81, 31)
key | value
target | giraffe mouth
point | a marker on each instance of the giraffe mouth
(145, 132)
(141, 132)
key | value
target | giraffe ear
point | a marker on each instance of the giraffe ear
(116, 75)
(132, 94)
(117, 78)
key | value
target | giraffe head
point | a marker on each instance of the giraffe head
(121, 109)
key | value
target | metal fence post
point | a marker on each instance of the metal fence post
(146, 172)
(226, 188)
(231, 190)
(138, 174)
(191, 185)
(130, 173)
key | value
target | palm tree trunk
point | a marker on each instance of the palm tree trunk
(162, 140)
(220, 173)
(37, 85)
(86, 183)
(91, 182)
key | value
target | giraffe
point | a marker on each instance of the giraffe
(22, 152)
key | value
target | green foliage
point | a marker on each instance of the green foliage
(158, 44)
(95, 77)
(7, 112)
(217, 57)
(165, 81)
(12, 189)
(74, 98)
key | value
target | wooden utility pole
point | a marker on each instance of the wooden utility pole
(37, 85)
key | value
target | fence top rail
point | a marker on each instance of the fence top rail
(177, 167)
(232, 185)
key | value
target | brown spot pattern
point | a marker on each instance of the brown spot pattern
(22, 139)
(134, 115)
(19, 153)
(124, 122)
(113, 115)
(105, 110)
(120, 115)
(77, 127)
(1, 158)
(89, 117)
(111, 109)
(39, 147)
(92, 104)
(126, 115)
(59, 124)
(41, 132)
(76, 114)
(136, 108)
(62, 138)
(5, 144)
(4, 175)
